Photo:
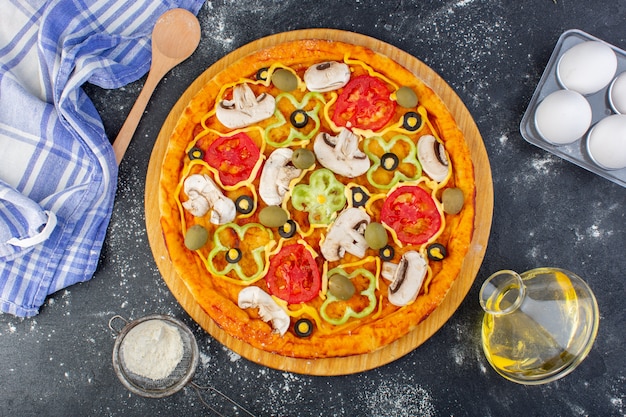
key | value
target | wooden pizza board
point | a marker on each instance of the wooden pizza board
(473, 260)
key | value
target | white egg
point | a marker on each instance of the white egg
(563, 117)
(617, 94)
(587, 67)
(606, 142)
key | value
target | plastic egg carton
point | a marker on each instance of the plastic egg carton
(575, 152)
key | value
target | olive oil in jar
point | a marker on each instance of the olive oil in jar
(537, 326)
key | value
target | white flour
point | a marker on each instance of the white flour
(152, 349)
(396, 398)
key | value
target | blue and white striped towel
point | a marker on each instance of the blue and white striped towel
(57, 169)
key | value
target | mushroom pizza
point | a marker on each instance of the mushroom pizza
(317, 199)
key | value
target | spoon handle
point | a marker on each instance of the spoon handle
(175, 37)
(127, 131)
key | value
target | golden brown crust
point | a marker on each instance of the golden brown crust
(218, 296)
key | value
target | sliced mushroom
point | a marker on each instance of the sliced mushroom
(204, 195)
(327, 76)
(276, 175)
(341, 153)
(432, 155)
(245, 108)
(269, 310)
(407, 279)
(346, 235)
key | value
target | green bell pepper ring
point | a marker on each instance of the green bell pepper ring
(322, 197)
(259, 254)
(369, 292)
(295, 136)
(407, 168)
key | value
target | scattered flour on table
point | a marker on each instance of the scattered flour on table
(542, 166)
(467, 351)
(617, 396)
(578, 410)
(599, 213)
(216, 21)
(618, 403)
(280, 394)
(538, 169)
(204, 359)
(232, 356)
(394, 398)
(221, 19)
(374, 397)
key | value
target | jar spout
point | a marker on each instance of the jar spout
(502, 293)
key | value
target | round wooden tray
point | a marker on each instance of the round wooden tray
(473, 260)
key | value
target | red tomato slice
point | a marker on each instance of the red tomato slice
(293, 275)
(412, 213)
(234, 157)
(364, 103)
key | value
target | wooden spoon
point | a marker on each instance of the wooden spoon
(175, 37)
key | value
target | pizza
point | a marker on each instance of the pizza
(317, 199)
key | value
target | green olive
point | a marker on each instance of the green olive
(303, 158)
(196, 237)
(406, 97)
(284, 80)
(273, 216)
(452, 199)
(341, 287)
(376, 235)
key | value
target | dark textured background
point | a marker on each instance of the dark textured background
(548, 212)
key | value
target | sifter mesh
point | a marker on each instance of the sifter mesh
(156, 388)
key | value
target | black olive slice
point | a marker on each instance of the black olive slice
(303, 328)
(288, 229)
(387, 253)
(436, 252)
(244, 204)
(389, 161)
(359, 197)
(299, 118)
(195, 153)
(233, 255)
(262, 74)
(411, 121)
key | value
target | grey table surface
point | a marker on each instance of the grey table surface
(548, 212)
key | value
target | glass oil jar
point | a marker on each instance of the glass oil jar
(538, 325)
